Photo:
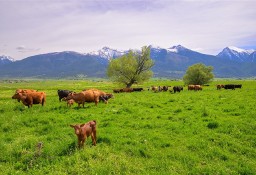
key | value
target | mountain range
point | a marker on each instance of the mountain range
(171, 63)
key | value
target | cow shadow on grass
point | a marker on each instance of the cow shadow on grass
(103, 140)
(72, 147)
(69, 150)
(19, 108)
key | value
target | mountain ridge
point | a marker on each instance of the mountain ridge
(170, 62)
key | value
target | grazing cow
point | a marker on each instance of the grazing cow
(198, 87)
(177, 88)
(154, 88)
(83, 131)
(103, 96)
(165, 88)
(106, 97)
(79, 98)
(127, 90)
(137, 89)
(238, 86)
(63, 93)
(92, 96)
(191, 87)
(24, 91)
(116, 90)
(195, 87)
(219, 86)
(69, 102)
(28, 99)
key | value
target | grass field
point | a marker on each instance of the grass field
(206, 132)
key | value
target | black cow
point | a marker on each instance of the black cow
(229, 86)
(137, 89)
(177, 88)
(63, 93)
(238, 86)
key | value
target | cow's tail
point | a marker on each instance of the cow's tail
(44, 99)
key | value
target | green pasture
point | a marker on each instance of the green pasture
(206, 132)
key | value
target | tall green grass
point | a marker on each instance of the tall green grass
(206, 132)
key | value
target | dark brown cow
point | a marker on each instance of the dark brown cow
(198, 88)
(191, 87)
(165, 88)
(116, 90)
(195, 87)
(177, 88)
(30, 98)
(127, 90)
(219, 86)
(83, 131)
(154, 88)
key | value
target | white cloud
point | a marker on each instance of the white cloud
(89, 25)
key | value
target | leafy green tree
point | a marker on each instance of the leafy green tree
(198, 74)
(131, 68)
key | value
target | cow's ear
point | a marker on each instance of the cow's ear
(72, 126)
(82, 125)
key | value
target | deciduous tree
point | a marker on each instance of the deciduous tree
(198, 74)
(131, 68)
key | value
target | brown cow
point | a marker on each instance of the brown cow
(116, 90)
(127, 90)
(191, 87)
(103, 96)
(195, 87)
(83, 131)
(28, 99)
(79, 98)
(198, 87)
(24, 91)
(219, 86)
(154, 88)
(69, 102)
(84, 96)
(165, 88)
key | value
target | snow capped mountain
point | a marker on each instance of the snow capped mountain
(252, 57)
(3, 57)
(235, 54)
(108, 53)
(177, 49)
(5, 60)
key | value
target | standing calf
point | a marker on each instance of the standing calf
(85, 130)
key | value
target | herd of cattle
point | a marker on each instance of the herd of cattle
(83, 131)
(30, 96)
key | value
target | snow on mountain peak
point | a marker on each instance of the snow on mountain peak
(235, 54)
(3, 57)
(108, 53)
(177, 48)
(239, 50)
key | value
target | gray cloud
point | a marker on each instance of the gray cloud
(25, 49)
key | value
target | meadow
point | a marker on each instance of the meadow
(205, 132)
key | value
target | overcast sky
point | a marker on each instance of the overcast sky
(30, 27)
